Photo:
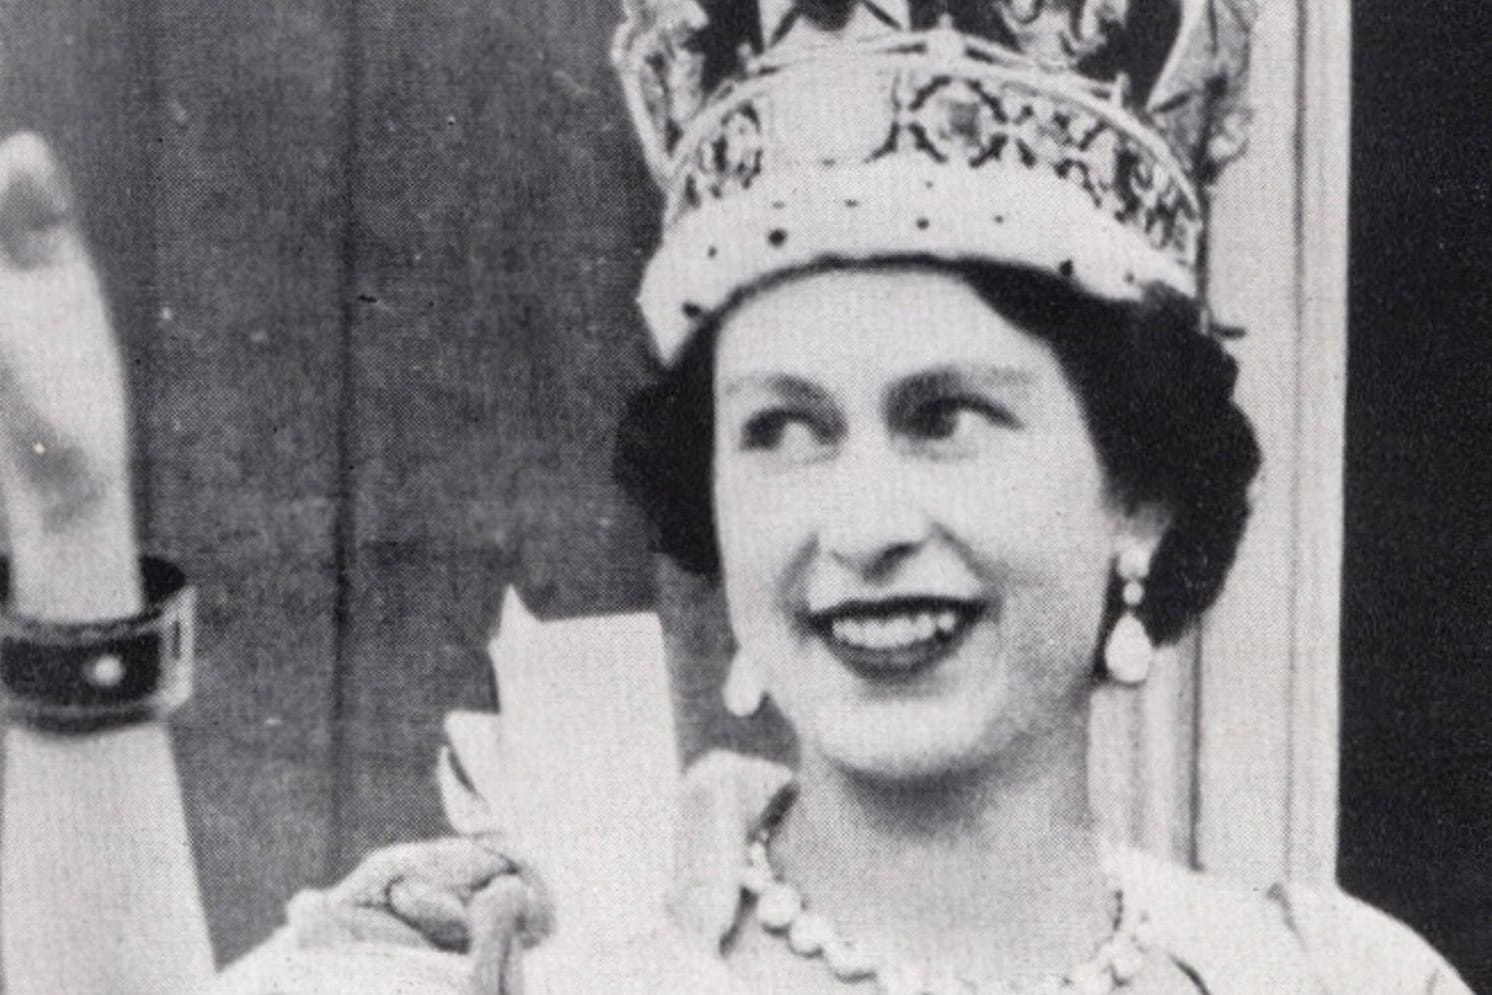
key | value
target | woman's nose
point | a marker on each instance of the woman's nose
(873, 517)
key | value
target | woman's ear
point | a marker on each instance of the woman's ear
(1138, 531)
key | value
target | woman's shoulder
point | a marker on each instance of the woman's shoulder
(1283, 938)
(1360, 945)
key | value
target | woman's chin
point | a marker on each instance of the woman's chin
(908, 747)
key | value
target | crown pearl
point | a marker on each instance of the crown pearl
(944, 42)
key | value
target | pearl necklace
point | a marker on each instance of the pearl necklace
(782, 912)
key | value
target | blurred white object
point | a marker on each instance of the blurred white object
(580, 772)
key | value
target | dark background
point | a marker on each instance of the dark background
(1416, 834)
(373, 265)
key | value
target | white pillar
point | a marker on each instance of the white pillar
(1268, 677)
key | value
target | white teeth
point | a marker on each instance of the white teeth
(923, 627)
(894, 632)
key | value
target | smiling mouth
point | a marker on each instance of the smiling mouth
(897, 638)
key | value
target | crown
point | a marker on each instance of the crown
(1072, 136)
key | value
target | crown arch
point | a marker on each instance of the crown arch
(793, 21)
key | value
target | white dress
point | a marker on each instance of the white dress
(1285, 940)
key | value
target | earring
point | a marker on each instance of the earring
(743, 690)
(1128, 652)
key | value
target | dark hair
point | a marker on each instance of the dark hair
(1156, 390)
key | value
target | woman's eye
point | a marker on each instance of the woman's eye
(789, 434)
(953, 419)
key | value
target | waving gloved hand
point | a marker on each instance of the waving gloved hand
(64, 454)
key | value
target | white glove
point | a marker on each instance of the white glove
(444, 917)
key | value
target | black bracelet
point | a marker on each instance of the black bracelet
(75, 678)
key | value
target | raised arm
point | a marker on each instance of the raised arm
(97, 888)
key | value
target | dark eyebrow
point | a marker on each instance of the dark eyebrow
(946, 380)
(792, 389)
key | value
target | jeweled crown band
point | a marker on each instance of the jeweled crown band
(945, 100)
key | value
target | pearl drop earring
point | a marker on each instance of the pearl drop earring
(1129, 651)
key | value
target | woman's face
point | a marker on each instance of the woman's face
(915, 530)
